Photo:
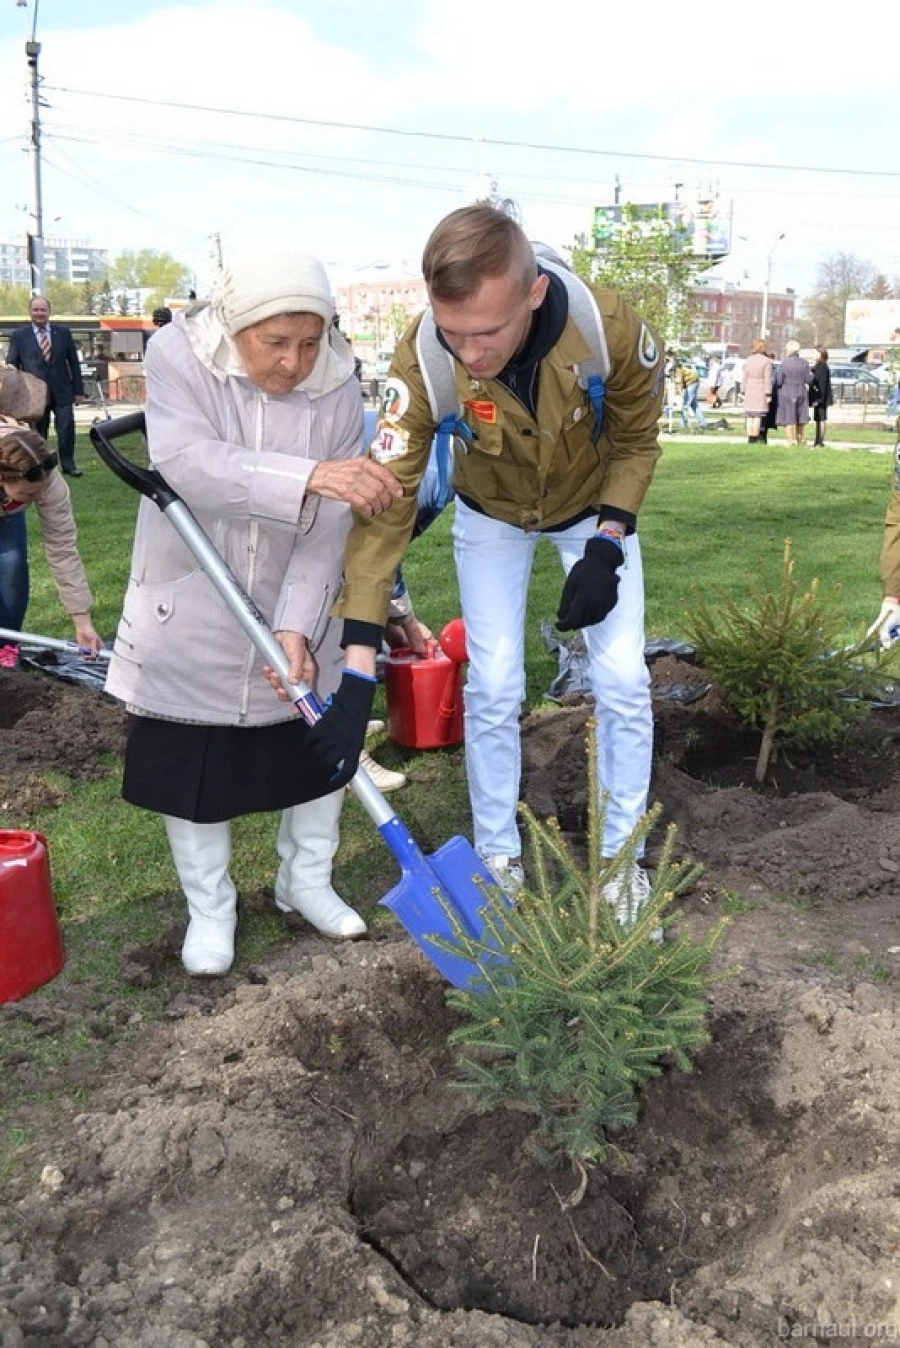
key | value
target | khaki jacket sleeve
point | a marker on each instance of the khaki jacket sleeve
(402, 443)
(59, 537)
(634, 401)
(890, 552)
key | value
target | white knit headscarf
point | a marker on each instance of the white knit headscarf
(262, 285)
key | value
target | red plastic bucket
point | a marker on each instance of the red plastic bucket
(31, 948)
(424, 698)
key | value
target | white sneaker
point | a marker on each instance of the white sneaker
(384, 778)
(508, 872)
(628, 894)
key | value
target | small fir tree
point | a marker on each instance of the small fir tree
(780, 663)
(576, 1012)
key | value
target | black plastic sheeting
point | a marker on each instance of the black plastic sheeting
(572, 675)
(571, 679)
(74, 668)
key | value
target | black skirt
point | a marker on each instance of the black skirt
(210, 773)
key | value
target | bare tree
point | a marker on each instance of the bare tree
(841, 277)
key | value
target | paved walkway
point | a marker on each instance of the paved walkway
(835, 441)
(839, 436)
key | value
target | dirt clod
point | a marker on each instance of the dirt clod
(281, 1160)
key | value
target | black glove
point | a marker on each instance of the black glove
(337, 739)
(592, 586)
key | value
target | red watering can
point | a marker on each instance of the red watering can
(424, 699)
(31, 949)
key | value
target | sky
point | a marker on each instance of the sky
(348, 128)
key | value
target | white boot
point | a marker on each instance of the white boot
(307, 842)
(201, 853)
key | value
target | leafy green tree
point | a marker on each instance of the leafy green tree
(161, 273)
(648, 259)
(397, 321)
(88, 298)
(105, 302)
(14, 300)
(64, 296)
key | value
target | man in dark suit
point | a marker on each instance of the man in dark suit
(47, 350)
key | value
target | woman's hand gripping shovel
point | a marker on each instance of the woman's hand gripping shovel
(438, 894)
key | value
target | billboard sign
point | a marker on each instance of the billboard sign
(706, 224)
(872, 323)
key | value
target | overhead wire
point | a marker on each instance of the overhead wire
(410, 132)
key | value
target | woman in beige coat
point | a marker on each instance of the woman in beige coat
(28, 477)
(757, 391)
(254, 416)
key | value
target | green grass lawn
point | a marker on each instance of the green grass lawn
(715, 513)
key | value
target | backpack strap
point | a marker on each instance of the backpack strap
(437, 367)
(438, 372)
(439, 376)
(593, 373)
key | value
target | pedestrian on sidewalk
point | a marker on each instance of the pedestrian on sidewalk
(792, 382)
(820, 394)
(757, 391)
(687, 384)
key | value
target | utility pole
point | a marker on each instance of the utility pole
(36, 240)
(764, 321)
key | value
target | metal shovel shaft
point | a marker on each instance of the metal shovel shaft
(51, 644)
(244, 611)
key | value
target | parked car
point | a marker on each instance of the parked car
(855, 384)
(885, 374)
(845, 376)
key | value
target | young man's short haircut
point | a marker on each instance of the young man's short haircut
(472, 244)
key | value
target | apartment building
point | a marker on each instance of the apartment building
(73, 260)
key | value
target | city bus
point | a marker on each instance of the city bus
(110, 348)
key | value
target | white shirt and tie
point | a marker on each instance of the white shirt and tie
(42, 333)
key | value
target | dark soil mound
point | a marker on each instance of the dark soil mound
(283, 1161)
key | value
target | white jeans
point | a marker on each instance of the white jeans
(493, 564)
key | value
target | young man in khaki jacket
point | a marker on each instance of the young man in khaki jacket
(530, 462)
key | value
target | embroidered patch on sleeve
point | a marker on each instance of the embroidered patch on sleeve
(390, 443)
(394, 400)
(483, 409)
(648, 351)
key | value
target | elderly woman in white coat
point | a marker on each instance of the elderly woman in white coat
(254, 417)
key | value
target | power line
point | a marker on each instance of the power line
(473, 140)
(63, 130)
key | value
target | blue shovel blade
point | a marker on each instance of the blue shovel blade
(449, 874)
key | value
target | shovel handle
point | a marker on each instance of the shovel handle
(51, 644)
(147, 481)
(153, 485)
